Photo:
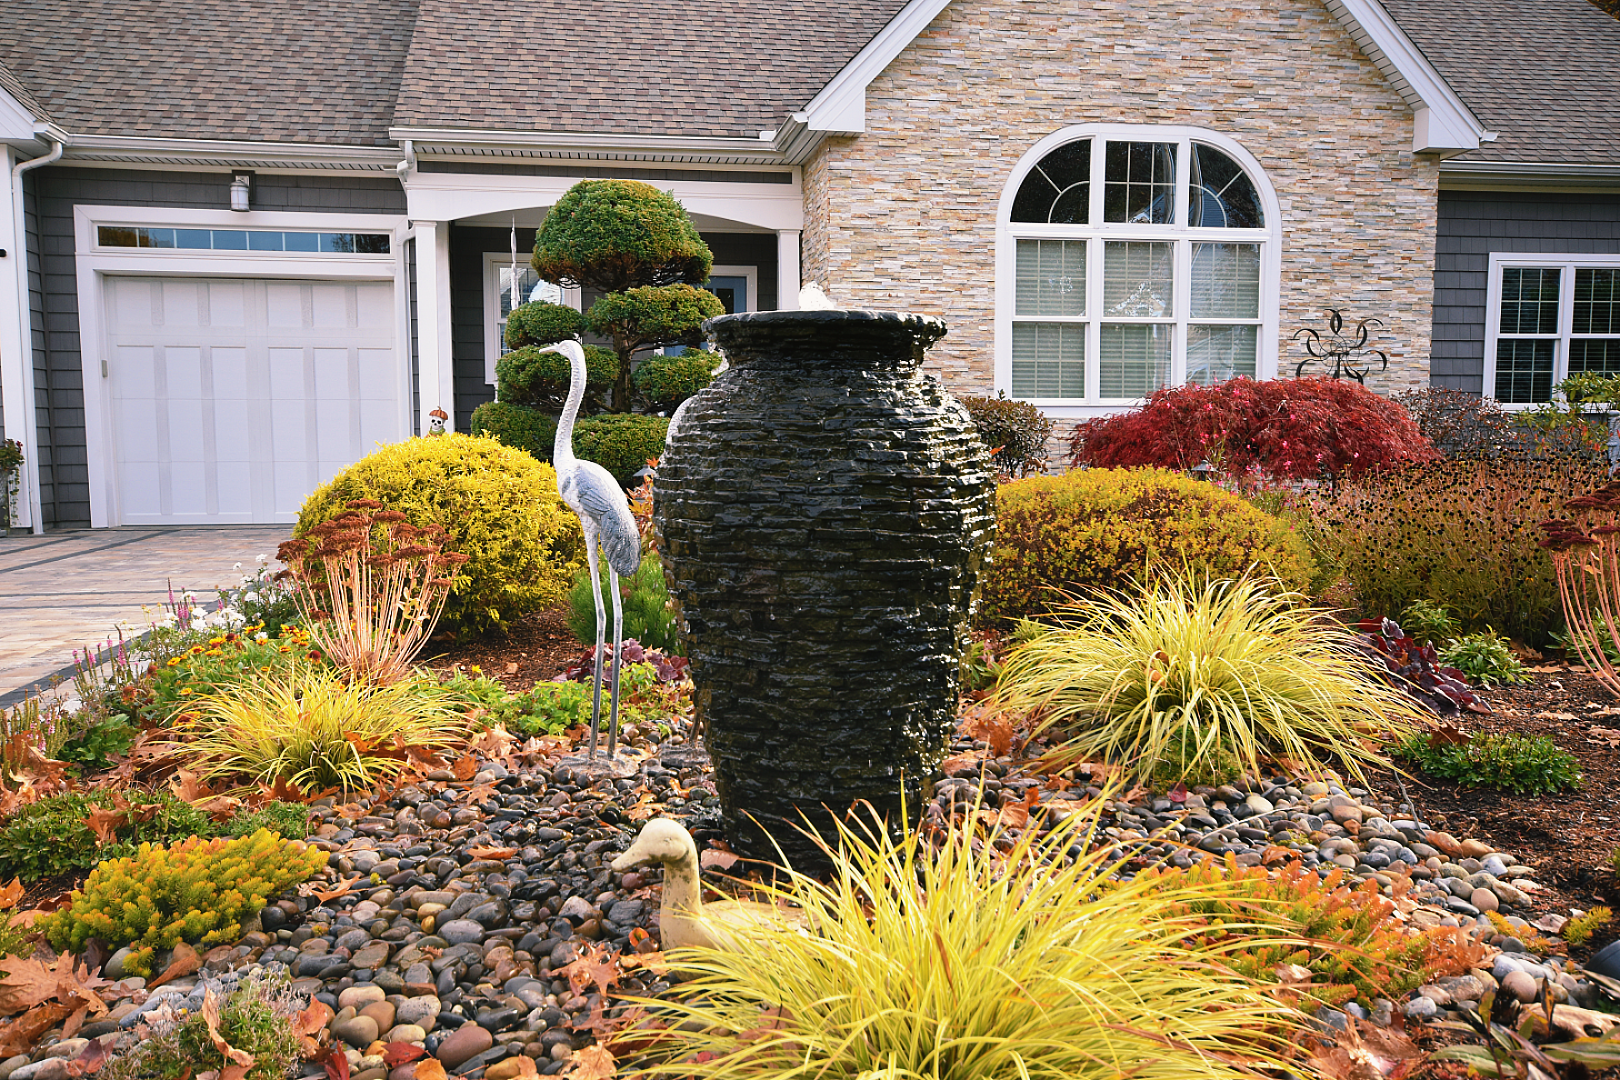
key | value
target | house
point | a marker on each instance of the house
(242, 246)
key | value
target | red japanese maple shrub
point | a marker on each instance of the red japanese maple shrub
(1280, 429)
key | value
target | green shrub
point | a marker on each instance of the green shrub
(530, 376)
(1218, 669)
(1485, 658)
(51, 837)
(94, 745)
(1015, 431)
(1519, 764)
(615, 234)
(1462, 533)
(197, 891)
(621, 443)
(541, 323)
(499, 507)
(1579, 930)
(290, 820)
(666, 381)
(645, 599)
(1102, 529)
(258, 1017)
(527, 429)
(1426, 622)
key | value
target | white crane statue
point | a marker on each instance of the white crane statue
(604, 515)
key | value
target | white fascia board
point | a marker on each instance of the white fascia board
(17, 124)
(226, 153)
(573, 144)
(840, 107)
(1441, 121)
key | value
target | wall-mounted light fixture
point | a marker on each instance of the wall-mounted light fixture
(239, 192)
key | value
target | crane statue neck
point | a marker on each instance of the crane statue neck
(562, 449)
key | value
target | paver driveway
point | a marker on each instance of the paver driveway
(64, 590)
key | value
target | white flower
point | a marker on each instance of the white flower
(261, 559)
(188, 596)
(261, 637)
(236, 566)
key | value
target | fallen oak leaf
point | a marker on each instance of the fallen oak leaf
(464, 768)
(591, 1063)
(11, 894)
(89, 1061)
(596, 965)
(29, 983)
(345, 887)
(310, 1028)
(427, 1069)
(20, 1035)
(396, 1054)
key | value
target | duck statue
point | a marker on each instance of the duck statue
(684, 920)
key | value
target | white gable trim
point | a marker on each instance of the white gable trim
(1440, 120)
(17, 124)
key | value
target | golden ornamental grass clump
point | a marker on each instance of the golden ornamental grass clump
(1188, 673)
(969, 962)
(309, 728)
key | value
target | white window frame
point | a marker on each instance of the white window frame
(93, 263)
(1097, 232)
(1566, 265)
(494, 263)
(751, 273)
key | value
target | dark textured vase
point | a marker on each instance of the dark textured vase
(823, 511)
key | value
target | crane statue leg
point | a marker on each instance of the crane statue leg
(601, 635)
(618, 639)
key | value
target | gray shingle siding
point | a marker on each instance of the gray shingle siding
(51, 194)
(1472, 225)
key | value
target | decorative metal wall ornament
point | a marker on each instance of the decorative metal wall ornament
(1348, 352)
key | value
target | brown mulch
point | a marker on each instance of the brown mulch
(1566, 836)
(539, 647)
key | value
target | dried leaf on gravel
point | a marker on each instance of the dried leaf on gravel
(718, 858)
(185, 962)
(337, 1065)
(1603, 735)
(1366, 1052)
(591, 1063)
(596, 965)
(396, 1054)
(11, 894)
(90, 1061)
(19, 1036)
(1556, 716)
(644, 808)
(496, 853)
(969, 761)
(310, 1028)
(428, 1069)
(991, 727)
(29, 983)
(344, 888)
(210, 1015)
(464, 768)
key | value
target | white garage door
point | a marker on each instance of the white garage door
(233, 399)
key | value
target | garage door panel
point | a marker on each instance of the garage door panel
(232, 399)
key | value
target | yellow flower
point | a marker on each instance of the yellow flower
(174, 661)
(286, 648)
(186, 692)
(212, 652)
(216, 641)
(476, 670)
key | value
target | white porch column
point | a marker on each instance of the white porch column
(787, 269)
(435, 368)
(16, 342)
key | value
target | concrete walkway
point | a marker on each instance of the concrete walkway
(65, 590)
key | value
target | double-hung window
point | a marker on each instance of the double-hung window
(1550, 317)
(1132, 259)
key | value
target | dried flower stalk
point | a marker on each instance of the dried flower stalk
(1586, 557)
(371, 586)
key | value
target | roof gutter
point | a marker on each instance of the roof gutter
(25, 378)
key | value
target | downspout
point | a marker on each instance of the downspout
(30, 431)
(407, 166)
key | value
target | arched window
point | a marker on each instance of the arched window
(1131, 258)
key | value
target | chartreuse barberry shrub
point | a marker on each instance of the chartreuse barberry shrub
(197, 891)
(1338, 929)
(1280, 429)
(1195, 671)
(1096, 530)
(966, 957)
(497, 505)
(1463, 534)
(621, 444)
(1015, 431)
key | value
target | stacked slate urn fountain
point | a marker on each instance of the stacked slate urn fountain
(823, 511)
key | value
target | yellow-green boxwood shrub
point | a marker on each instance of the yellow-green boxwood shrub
(1097, 529)
(197, 891)
(498, 505)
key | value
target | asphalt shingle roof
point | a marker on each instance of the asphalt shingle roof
(311, 71)
(13, 86)
(1544, 74)
(721, 68)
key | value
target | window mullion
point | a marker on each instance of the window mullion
(1094, 294)
(1566, 323)
(1181, 292)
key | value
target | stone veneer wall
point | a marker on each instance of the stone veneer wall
(904, 216)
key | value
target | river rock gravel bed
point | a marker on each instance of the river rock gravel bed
(460, 904)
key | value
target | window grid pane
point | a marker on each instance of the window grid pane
(1140, 183)
(1226, 281)
(1133, 359)
(1058, 190)
(1049, 360)
(1594, 356)
(1138, 279)
(1218, 353)
(1051, 277)
(1597, 301)
(1530, 300)
(1524, 370)
(1220, 194)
